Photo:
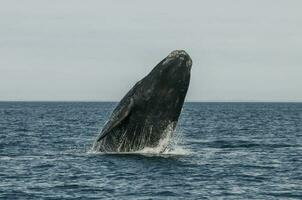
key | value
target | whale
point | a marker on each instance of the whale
(149, 112)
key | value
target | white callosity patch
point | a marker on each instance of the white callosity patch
(177, 53)
(189, 63)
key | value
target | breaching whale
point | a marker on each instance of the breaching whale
(150, 109)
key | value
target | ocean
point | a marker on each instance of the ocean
(219, 151)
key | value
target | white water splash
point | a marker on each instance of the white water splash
(170, 144)
(173, 149)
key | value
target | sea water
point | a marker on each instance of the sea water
(219, 151)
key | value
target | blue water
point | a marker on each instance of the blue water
(223, 151)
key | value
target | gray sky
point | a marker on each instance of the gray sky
(94, 50)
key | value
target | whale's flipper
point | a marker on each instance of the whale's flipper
(118, 115)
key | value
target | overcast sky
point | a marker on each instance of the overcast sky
(95, 50)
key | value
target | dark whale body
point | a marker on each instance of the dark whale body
(150, 110)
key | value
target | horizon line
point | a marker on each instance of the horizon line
(113, 101)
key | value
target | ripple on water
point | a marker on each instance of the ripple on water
(226, 151)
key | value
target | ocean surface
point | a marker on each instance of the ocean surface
(220, 151)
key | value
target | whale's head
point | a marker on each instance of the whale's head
(166, 85)
(178, 59)
(171, 77)
(175, 68)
